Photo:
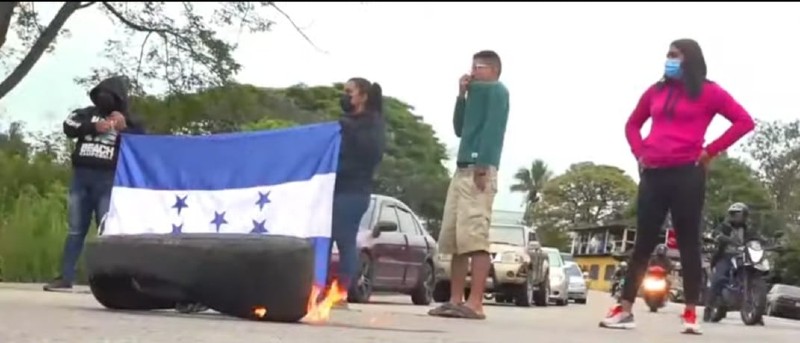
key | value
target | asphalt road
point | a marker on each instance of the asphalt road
(28, 315)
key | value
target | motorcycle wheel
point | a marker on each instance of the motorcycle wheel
(755, 299)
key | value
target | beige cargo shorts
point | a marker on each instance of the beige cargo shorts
(467, 214)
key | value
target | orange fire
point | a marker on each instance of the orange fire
(320, 312)
(260, 312)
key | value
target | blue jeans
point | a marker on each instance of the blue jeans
(348, 208)
(719, 279)
(89, 195)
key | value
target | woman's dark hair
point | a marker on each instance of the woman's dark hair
(693, 66)
(373, 91)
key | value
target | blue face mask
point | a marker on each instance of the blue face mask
(672, 68)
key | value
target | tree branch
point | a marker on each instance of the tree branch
(39, 47)
(6, 12)
(296, 27)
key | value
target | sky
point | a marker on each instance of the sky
(574, 70)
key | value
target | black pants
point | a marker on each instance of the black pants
(679, 191)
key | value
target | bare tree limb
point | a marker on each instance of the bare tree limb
(296, 27)
(39, 47)
(6, 12)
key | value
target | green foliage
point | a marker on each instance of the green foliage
(585, 193)
(731, 180)
(531, 181)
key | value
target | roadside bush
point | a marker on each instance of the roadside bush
(32, 235)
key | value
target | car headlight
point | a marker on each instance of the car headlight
(510, 257)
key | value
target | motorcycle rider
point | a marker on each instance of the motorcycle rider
(728, 235)
(619, 274)
(661, 259)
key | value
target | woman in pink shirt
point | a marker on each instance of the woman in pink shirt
(672, 163)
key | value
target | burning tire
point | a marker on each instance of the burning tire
(233, 274)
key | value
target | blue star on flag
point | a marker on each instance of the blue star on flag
(258, 227)
(219, 219)
(177, 229)
(180, 203)
(263, 199)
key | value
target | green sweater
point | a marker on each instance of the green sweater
(480, 122)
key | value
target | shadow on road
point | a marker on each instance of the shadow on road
(218, 316)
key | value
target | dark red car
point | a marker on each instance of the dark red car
(396, 253)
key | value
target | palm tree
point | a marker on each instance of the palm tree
(531, 181)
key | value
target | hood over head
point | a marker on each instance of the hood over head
(111, 94)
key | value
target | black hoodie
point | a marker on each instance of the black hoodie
(363, 143)
(100, 150)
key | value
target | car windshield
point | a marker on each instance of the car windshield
(555, 258)
(514, 235)
(573, 270)
(787, 290)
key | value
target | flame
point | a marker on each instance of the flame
(320, 311)
(260, 312)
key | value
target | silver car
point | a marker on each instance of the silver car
(577, 290)
(559, 291)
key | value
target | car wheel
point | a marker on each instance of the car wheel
(580, 301)
(562, 302)
(500, 298)
(524, 293)
(541, 295)
(361, 290)
(423, 293)
(441, 292)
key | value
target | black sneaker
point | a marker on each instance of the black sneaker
(58, 284)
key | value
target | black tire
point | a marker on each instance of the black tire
(652, 303)
(500, 298)
(580, 301)
(755, 300)
(441, 292)
(523, 294)
(361, 290)
(423, 293)
(541, 296)
(119, 293)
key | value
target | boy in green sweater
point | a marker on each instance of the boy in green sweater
(479, 120)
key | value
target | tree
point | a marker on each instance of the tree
(186, 53)
(775, 147)
(732, 180)
(585, 194)
(531, 181)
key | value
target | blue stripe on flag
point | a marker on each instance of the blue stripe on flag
(322, 255)
(228, 161)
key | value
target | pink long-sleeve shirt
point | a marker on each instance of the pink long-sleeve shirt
(678, 130)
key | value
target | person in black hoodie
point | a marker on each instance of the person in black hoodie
(94, 160)
(363, 143)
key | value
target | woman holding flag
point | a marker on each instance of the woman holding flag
(363, 143)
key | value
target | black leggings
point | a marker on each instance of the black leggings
(679, 191)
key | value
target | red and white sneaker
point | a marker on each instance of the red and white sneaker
(690, 325)
(618, 319)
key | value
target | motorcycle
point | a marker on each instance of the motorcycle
(746, 290)
(616, 288)
(655, 288)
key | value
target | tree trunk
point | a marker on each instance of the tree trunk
(39, 47)
(6, 13)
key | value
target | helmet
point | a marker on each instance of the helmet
(737, 213)
(738, 207)
(661, 250)
(623, 264)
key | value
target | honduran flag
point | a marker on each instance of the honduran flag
(276, 182)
